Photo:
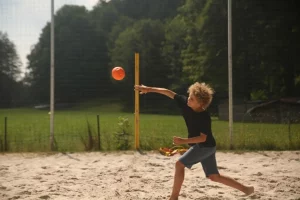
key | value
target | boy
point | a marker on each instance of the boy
(200, 138)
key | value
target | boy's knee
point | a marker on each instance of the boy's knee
(179, 165)
(214, 177)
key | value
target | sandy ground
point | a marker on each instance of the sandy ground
(131, 175)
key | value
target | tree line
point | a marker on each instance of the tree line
(179, 41)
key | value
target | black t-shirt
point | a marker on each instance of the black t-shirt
(196, 122)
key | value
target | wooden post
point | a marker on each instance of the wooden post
(137, 103)
(5, 134)
(98, 130)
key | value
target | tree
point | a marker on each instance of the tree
(205, 51)
(81, 60)
(146, 38)
(175, 32)
(261, 61)
(147, 9)
(9, 60)
(9, 70)
(266, 47)
(38, 76)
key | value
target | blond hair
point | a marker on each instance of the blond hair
(203, 93)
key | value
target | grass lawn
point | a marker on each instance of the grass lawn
(76, 130)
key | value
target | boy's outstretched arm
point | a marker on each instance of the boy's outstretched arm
(145, 89)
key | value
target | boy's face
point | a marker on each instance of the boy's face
(193, 103)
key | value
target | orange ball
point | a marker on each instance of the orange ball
(118, 73)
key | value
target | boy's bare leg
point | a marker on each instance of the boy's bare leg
(178, 180)
(232, 183)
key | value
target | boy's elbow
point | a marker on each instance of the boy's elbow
(203, 137)
(170, 94)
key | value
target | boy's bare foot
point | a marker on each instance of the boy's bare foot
(249, 190)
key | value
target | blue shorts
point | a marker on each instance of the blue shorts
(205, 155)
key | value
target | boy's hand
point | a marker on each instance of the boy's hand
(142, 88)
(178, 140)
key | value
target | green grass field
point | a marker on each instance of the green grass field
(28, 130)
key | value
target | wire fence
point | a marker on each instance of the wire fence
(155, 131)
(179, 42)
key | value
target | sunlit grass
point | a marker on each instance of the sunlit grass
(28, 130)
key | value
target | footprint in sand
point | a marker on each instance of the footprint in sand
(135, 176)
(184, 195)
(135, 190)
(266, 165)
(118, 179)
(279, 190)
(15, 197)
(37, 177)
(254, 196)
(155, 165)
(258, 174)
(121, 169)
(3, 168)
(44, 197)
(162, 158)
(24, 193)
(2, 188)
(213, 186)
(197, 190)
(296, 159)
(219, 167)
(146, 181)
(272, 181)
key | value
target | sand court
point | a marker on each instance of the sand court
(148, 176)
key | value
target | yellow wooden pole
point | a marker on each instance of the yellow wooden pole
(137, 102)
